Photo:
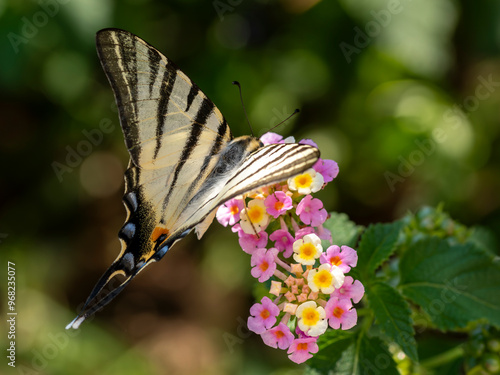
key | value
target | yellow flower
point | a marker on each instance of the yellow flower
(311, 318)
(306, 183)
(325, 279)
(254, 218)
(307, 249)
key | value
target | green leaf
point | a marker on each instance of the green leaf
(344, 231)
(343, 353)
(393, 316)
(331, 345)
(483, 238)
(377, 245)
(454, 284)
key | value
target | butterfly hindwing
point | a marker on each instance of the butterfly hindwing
(262, 167)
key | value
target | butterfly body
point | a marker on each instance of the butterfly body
(184, 162)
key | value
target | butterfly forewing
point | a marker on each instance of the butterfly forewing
(172, 130)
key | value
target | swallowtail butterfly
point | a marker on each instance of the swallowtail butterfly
(184, 162)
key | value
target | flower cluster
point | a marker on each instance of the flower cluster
(309, 290)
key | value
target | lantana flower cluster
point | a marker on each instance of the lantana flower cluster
(281, 227)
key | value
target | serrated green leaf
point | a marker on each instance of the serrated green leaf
(377, 245)
(483, 238)
(344, 231)
(331, 345)
(343, 353)
(393, 315)
(454, 284)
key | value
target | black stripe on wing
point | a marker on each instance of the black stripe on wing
(270, 164)
(167, 86)
(193, 91)
(198, 127)
(121, 71)
(154, 65)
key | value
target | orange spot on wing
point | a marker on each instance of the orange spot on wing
(157, 232)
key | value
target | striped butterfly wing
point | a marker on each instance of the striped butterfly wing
(183, 160)
(261, 167)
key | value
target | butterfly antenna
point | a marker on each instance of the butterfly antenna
(285, 120)
(243, 105)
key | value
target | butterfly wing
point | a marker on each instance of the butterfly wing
(262, 167)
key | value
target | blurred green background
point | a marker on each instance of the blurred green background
(404, 95)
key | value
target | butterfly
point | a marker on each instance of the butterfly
(184, 162)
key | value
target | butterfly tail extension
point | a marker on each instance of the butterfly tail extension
(106, 289)
(110, 285)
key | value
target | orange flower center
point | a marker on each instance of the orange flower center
(278, 205)
(337, 312)
(335, 260)
(302, 346)
(264, 266)
(279, 334)
(234, 210)
(265, 314)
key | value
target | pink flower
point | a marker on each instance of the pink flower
(250, 242)
(344, 259)
(229, 212)
(303, 232)
(311, 211)
(350, 289)
(263, 263)
(263, 316)
(300, 350)
(340, 311)
(270, 138)
(283, 241)
(308, 141)
(329, 169)
(278, 337)
(278, 203)
(324, 233)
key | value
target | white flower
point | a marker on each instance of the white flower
(306, 183)
(254, 218)
(311, 318)
(307, 249)
(325, 279)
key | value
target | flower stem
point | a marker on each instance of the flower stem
(283, 264)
